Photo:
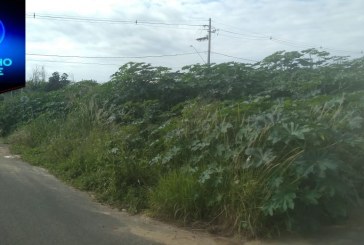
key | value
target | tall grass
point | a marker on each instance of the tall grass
(285, 158)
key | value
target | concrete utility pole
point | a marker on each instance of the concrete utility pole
(209, 49)
(208, 38)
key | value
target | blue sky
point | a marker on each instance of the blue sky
(243, 29)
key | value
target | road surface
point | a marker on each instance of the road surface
(36, 208)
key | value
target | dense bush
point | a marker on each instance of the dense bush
(256, 149)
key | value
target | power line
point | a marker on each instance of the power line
(252, 36)
(110, 21)
(241, 38)
(109, 64)
(242, 34)
(123, 57)
(234, 27)
(111, 57)
(86, 63)
(230, 56)
(295, 43)
(70, 62)
(198, 53)
(307, 45)
(290, 43)
(131, 24)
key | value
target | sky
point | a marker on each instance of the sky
(245, 30)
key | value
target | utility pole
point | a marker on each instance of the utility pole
(209, 49)
(208, 38)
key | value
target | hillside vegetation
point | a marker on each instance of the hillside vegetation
(253, 149)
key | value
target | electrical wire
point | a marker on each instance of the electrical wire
(230, 56)
(307, 45)
(109, 64)
(241, 38)
(87, 63)
(111, 21)
(243, 34)
(138, 25)
(203, 60)
(292, 43)
(133, 24)
(237, 28)
(252, 36)
(71, 62)
(111, 57)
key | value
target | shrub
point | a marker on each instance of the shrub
(179, 196)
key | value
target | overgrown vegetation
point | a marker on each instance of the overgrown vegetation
(257, 149)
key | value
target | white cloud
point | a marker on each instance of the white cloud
(327, 23)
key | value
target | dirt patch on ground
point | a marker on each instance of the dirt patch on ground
(174, 236)
(4, 150)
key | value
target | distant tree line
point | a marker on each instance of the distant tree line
(38, 80)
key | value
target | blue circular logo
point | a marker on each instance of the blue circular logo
(2, 31)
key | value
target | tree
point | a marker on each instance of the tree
(37, 80)
(57, 81)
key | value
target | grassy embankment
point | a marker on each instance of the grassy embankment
(253, 149)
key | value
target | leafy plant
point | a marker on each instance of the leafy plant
(256, 149)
